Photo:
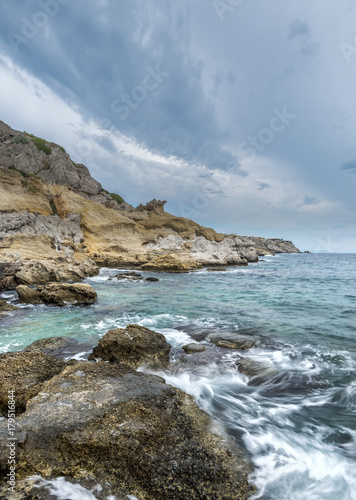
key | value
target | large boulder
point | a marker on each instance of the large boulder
(59, 294)
(24, 373)
(135, 345)
(126, 429)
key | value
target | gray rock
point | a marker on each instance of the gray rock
(192, 348)
(231, 340)
(134, 346)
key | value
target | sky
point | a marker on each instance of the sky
(240, 113)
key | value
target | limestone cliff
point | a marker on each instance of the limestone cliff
(51, 208)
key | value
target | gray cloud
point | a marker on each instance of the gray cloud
(298, 28)
(350, 166)
(224, 79)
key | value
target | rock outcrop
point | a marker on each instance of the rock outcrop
(58, 294)
(134, 346)
(36, 272)
(51, 208)
(105, 423)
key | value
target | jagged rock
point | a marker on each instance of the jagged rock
(230, 340)
(34, 272)
(192, 348)
(141, 436)
(59, 294)
(24, 373)
(156, 205)
(5, 308)
(135, 345)
(63, 231)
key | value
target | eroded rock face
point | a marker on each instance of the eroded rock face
(37, 272)
(58, 294)
(134, 346)
(137, 433)
(25, 373)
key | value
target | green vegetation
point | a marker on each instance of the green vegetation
(117, 198)
(24, 174)
(114, 196)
(20, 139)
(40, 144)
(53, 207)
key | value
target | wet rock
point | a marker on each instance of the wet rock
(58, 294)
(231, 340)
(253, 368)
(131, 276)
(5, 308)
(133, 431)
(60, 347)
(217, 268)
(135, 345)
(151, 279)
(192, 348)
(25, 373)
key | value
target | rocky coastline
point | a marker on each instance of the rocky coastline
(101, 421)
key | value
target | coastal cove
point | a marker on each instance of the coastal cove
(288, 399)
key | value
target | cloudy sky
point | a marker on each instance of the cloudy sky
(240, 113)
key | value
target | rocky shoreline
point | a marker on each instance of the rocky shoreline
(103, 422)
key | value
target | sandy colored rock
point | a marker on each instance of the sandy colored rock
(135, 345)
(25, 373)
(59, 294)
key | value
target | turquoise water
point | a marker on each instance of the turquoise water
(298, 421)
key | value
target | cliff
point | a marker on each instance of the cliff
(51, 208)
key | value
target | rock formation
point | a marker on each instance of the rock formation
(51, 209)
(105, 422)
(58, 294)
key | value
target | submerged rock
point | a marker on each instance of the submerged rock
(192, 348)
(133, 276)
(134, 346)
(231, 340)
(58, 294)
(24, 373)
(142, 436)
(5, 308)
(60, 347)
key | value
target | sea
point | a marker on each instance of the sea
(296, 416)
